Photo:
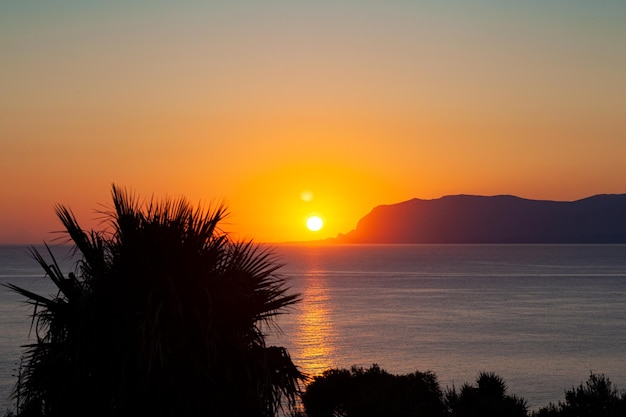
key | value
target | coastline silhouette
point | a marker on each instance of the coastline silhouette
(494, 219)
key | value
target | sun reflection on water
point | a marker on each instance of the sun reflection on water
(314, 330)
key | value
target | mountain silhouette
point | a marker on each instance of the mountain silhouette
(494, 219)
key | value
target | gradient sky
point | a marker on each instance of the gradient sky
(353, 103)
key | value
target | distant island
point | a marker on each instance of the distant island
(494, 219)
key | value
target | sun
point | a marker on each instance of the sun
(314, 223)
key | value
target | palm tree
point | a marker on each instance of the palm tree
(164, 315)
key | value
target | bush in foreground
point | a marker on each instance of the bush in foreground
(596, 398)
(488, 398)
(376, 393)
(373, 392)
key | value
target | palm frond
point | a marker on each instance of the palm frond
(163, 301)
(31, 297)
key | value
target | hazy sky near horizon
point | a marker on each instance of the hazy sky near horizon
(283, 109)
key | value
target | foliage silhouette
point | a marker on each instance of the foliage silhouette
(597, 398)
(373, 393)
(487, 399)
(164, 315)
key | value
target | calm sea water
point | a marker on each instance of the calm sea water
(541, 316)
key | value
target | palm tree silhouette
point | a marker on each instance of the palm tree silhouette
(164, 315)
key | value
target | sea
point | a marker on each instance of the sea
(542, 317)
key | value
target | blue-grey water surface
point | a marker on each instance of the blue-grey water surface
(541, 316)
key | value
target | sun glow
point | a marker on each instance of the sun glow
(306, 195)
(314, 223)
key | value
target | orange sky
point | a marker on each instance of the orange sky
(356, 103)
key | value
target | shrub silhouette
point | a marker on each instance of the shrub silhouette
(373, 393)
(164, 315)
(596, 398)
(487, 399)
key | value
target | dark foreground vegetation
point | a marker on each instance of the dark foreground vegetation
(165, 315)
(374, 392)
